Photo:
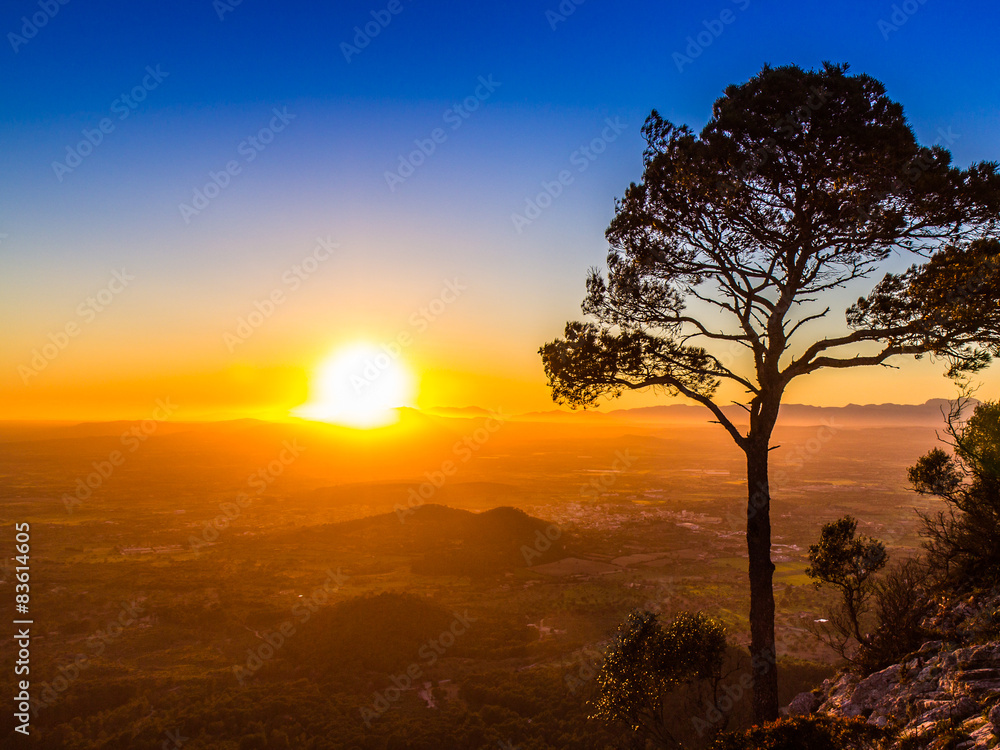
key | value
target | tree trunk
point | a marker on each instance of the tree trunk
(762, 648)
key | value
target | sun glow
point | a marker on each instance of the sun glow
(361, 386)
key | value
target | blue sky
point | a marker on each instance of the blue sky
(325, 173)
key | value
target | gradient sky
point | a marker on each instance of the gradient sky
(63, 233)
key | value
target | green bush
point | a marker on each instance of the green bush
(961, 540)
(849, 563)
(648, 663)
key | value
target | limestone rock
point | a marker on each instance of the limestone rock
(945, 694)
(803, 704)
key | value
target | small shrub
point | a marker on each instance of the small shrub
(647, 664)
(849, 563)
(961, 540)
(900, 604)
(809, 733)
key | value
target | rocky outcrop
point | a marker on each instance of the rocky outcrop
(945, 695)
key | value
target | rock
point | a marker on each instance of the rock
(977, 657)
(945, 694)
(930, 648)
(871, 689)
(803, 704)
(994, 717)
(837, 691)
(960, 709)
(976, 681)
(981, 738)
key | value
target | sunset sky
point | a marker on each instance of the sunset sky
(320, 235)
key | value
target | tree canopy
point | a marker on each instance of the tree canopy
(647, 661)
(800, 183)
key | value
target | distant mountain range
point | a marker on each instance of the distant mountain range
(891, 415)
(457, 411)
(446, 421)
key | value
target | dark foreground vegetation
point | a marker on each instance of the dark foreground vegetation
(884, 613)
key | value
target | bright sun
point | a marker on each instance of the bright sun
(361, 385)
